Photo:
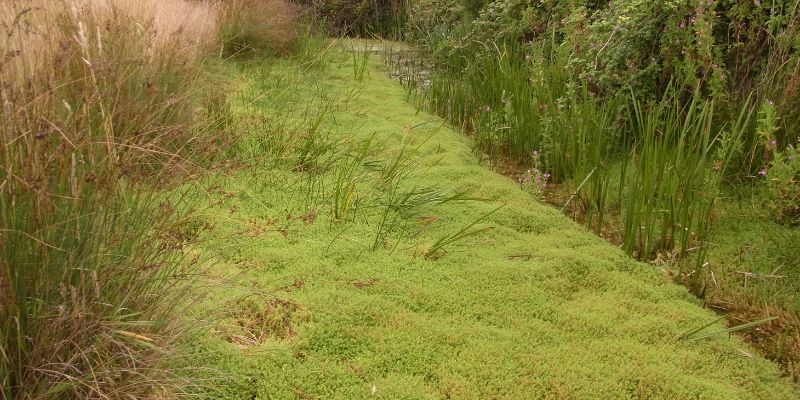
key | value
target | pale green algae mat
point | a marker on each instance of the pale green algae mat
(325, 290)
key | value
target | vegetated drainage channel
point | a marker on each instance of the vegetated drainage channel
(413, 71)
(406, 65)
(409, 68)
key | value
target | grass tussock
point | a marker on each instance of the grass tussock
(100, 99)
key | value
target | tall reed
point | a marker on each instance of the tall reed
(520, 102)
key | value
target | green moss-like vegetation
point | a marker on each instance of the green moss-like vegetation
(369, 254)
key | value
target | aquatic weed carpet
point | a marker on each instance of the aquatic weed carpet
(368, 254)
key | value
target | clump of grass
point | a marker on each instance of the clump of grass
(347, 177)
(100, 98)
(677, 164)
(668, 197)
(439, 245)
(360, 61)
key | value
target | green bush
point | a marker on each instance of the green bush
(725, 46)
(783, 185)
(645, 44)
(384, 18)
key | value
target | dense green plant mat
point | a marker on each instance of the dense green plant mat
(364, 252)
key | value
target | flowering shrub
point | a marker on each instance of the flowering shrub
(645, 44)
(725, 47)
(783, 185)
(535, 180)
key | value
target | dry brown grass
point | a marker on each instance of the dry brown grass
(258, 26)
(101, 98)
(96, 95)
(33, 42)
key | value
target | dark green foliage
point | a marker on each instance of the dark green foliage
(727, 48)
(783, 185)
(363, 18)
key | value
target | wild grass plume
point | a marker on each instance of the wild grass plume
(101, 100)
